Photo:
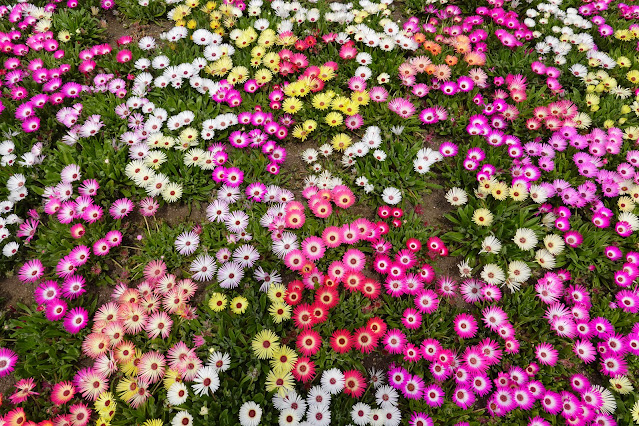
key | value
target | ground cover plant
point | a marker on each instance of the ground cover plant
(319, 213)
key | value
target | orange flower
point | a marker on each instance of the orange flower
(462, 39)
(462, 48)
(430, 69)
(419, 38)
(474, 58)
(451, 60)
(436, 49)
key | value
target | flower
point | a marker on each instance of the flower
(187, 242)
(482, 217)
(238, 305)
(8, 360)
(250, 414)
(391, 195)
(177, 394)
(206, 380)
(264, 344)
(456, 197)
(525, 238)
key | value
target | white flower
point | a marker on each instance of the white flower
(456, 197)
(10, 249)
(368, 188)
(177, 394)
(187, 242)
(383, 78)
(493, 274)
(206, 380)
(554, 244)
(631, 218)
(391, 195)
(326, 150)
(361, 181)
(183, 418)
(332, 381)
(465, 271)
(250, 414)
(545, 259)
(518, 271)
(525, 238)
(379, 155)
(490, 245)
(310, 155)
(203, 267)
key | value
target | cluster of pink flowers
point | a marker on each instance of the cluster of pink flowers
(319, 201)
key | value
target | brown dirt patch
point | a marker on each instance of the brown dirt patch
(12, 292)
(176, 214)
(117, 26)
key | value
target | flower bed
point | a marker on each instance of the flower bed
(314, 213)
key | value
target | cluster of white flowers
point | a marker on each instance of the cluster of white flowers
(315, 408)
(551, 13)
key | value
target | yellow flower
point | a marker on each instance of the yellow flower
(211, 5)
(271, 60)
(624, 35)
(256, 62)
(609, 123)
(339, 103)
(102, 422)
(127, 388)
(633, 76)
(590, 89)
(64, 36)
(258, 52)
(310, 125)
(179, 13)
(622, 120)
(625, 204)
(631, 133)
(292, 105)
(334, 119)
(239, 305)
(326, 73)
(360, 98)
(263, 76)
(341, 141)
(217, 302)
(170, 376)
(321, 101)
(264, 344)
(189, 135)
(280, 382)
(625, 109)
(518, 192)
(284, 359)
(592, 99)
(280, 311)
(300, 133)
(500, 191)
(351, 108)
(486, 185)
(243, 41)
(624, 62)
(153, 422)
(483, 217)
(105, 403)
(635, 412)
(191, 24)
(594, 108)
(277, 292)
